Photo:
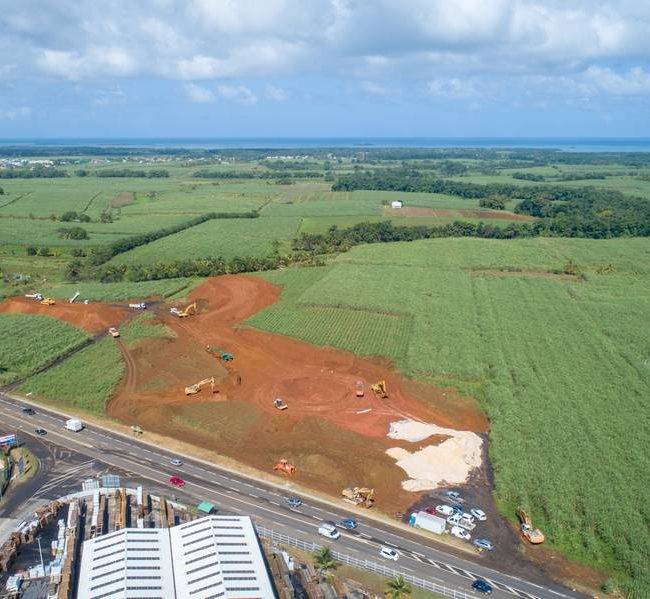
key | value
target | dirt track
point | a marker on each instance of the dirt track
(335, 438)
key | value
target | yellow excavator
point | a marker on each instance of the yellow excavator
(196, 387)
(528, 531)
(47, 301)
(362, 496)
(380, 389)
(189, 311)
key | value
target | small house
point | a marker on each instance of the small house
(396, 204)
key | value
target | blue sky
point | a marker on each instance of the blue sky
(290, 68)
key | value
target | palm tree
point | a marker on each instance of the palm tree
(397, 588)
(325, 561)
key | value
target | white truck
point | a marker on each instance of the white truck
(428, 522)
(74, 425)
(138, 306)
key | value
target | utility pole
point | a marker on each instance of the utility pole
(40, 551)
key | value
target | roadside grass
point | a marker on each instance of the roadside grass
(559, 365)
(124, 290)
(88, 379)
(29, 342)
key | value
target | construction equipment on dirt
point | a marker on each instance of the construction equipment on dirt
(47, 301)
(136, 429)
(285, 467)
(359, 390)
(196, 387)
(34, 296)
(280, 404)
(189, 311)
(113, 332)
(362, 496)
(138, 306)
(220, 353)
(74, 297)
(380, 389)
(529, 532)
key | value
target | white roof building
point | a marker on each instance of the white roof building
(209, 558)
(396, 204)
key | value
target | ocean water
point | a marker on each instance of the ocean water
(564, 144)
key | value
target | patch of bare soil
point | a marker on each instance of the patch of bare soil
(123, 199)
(477, 213)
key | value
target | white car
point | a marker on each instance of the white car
(328, 529)
(388, 553)
(445, 510)
(478, 513)
(467, 517)
(460, 532)
(176, 462)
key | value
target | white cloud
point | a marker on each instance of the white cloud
(237, 93)
(198, 94)
(635, 82)
(276, 93)
(95, 62)
(14, 114)
(375, 89)
(455, 88)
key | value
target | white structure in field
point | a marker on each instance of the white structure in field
(212, 557)
(396, 204)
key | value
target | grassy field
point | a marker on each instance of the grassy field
(559, 363)
(29, 342)
(115, 292)
(88, 379)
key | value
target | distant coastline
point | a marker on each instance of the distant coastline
(229, 143)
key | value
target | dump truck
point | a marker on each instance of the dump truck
(428, 522)
(359, 496)
(380, 389)
(74, 424)
(113, 332)
(285, 467)
(188, 311)
(138, 306)
(528, 531)
(34, 296)
(196, 387)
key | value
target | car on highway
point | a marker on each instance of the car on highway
(328, 529)
(293, 501)
(348, 523)
(41, 432)
(28, 411)
(177, 481)
(460, 532)
(388, 553)
(176, 462)
(455, 495)
(482, 586)
(483, 544)
(445, 510)
(478, 513)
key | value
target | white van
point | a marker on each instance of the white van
(74, 425)
(327, 529)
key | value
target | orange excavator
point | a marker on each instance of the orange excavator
(531, 534)
(285, 467)
(189, 311)
(196, 387)
(380, 389)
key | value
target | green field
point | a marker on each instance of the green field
(88, 379)
(30, 342)
(115, 292)
(559, 364)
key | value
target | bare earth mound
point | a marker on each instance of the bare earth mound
(334, 438)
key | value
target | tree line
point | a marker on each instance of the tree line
(154, 173)
(38, 172)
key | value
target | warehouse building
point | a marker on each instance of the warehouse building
(209, 558)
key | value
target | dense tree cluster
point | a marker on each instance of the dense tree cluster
(129, 172)
(37, 172)
(72, 233)
(229, 175)
(71, 215)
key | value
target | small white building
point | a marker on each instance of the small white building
(396, 204)
(215, 556)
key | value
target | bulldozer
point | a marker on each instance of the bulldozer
(47, 301)
(531, 534)
(196, 387)
(380, 389)
(359, 496)
(189, 311)
(285, 467)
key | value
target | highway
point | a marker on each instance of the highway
(266, 504)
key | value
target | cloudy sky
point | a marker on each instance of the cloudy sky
(228, 68)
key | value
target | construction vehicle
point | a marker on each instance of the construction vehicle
(35, 296)
(359, 496)
(47, 301)
(285, 467)
(279, 404)
(189, 311)
(196, 387)
(380, 389)
(224, 355)
(74, 297)
(138, 306)
(113, 332)
(136, 429)
(359, 390)
(528, 531)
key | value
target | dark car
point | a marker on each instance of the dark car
(348, 523)
(482, 586)
(294, 501)
(29, 411)
(41, 432)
